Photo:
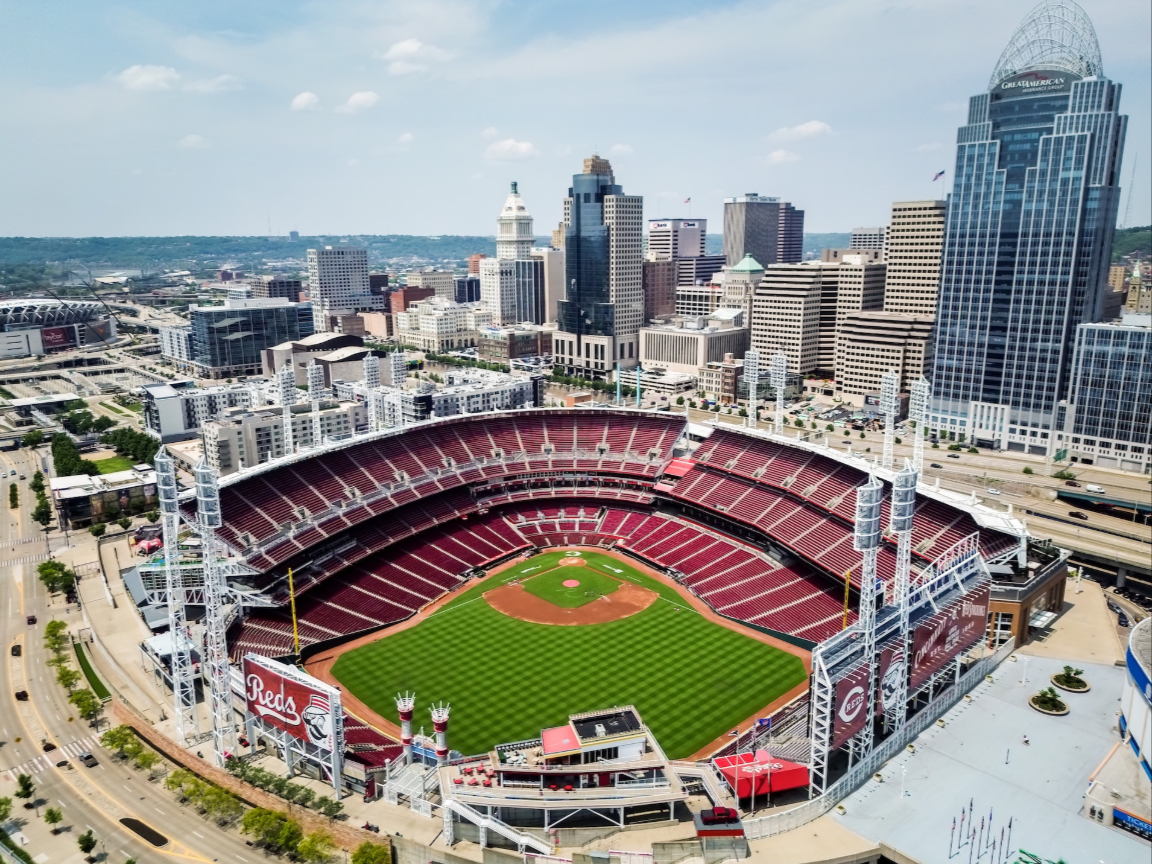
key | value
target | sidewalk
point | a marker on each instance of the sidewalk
(1085, 632)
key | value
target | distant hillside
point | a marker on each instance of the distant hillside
(813, 243)
(1129, 240)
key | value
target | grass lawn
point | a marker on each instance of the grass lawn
(691, 679)
(93, 679)
(550, 586)
(113, 408)
(113, 464)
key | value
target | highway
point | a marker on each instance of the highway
(98, 797)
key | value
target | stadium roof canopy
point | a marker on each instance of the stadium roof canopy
(47, 312)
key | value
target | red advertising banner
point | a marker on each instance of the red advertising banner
(850, 708)
(944, 635)
(309, 712)
(58, 337)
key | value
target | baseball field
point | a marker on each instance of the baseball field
(691, 678)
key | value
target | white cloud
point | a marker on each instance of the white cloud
(305, 101)
(490, 132)
(359, 102)
(148, 77)
(779, 157)
(402, 56)
(219, 84)
(192, 142)
(406, 138)
(510, 148)
(805, 130)
(620, 149)
(928, 148)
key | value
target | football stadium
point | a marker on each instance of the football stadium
(599, 569)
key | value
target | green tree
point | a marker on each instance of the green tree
(317, 847)
(679, 400)
(33, 438)
(146, 760)
(86, 841)
(371, 853)
(862, 436)
(829, 428)
(53, 817)
(42, 512)
(330, 808)
(119, 738)
(13, 496)
(847, 433)
(175, 781)
(67, 677)
(221, 805)
(87, 704)
(5, 809)
(56, 576)
(1028, 470)
(124, 522)
(25, 788)
(152, 516)
(55, 631)
(37, 483)
(305, 798)
(96, 530)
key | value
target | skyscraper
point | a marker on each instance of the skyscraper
(790, 248)
(338, 285)
(512, 283)
(913, 245)
(676, 238)
(604, 304)
(751, 227)
(1029, 233)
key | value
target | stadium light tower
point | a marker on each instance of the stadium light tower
(397, 368)
(375, 409)
(215, 645)
(866, 540)
(286, 378)
(889, 397)
(315, 394)
(752, 379)
(918, 417)
(405, 706)
(779, 373)
(903, 506)
(440, 724)
(183, 683)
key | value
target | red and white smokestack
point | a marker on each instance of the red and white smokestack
(406, 706)
(440, 724)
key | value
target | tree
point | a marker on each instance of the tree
(370, 853)
(86, 842)
(5, 809)
(1028, 470)
(330, 808)
(175, 781)
(37, 483)
(899, 440)
(33, 438)
(87, 704)
(305, 798)
(53, 817)
(55, 637)
(57, 578)
(119, 738)
(152, 516)
(124, 522)
(67, 677)
(221, 805)
(96, 530)
(847, 433)
(317, 847)
(798, 423)
(147, 760)
(829, 428)
(42, 512)
(679, 400)
(862, 436)
(13, 496)
(25, 788)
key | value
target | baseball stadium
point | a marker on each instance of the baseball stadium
(523, 566)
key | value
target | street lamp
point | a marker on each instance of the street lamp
(903, 777)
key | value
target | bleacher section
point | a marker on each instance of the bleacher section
(343, 487)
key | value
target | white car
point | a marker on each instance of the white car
(992, 491)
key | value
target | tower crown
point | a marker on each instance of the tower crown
(1056, 36)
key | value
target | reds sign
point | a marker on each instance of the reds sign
(287, 700)
(892, 668)
(851, 705)
(947, 633)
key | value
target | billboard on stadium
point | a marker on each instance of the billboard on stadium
(285, 698)
(58, 337)
(890, 670)
(850, 707)
(944, 635)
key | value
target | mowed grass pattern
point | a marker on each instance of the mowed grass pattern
(691, 679)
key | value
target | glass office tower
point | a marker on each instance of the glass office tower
(1029, 233)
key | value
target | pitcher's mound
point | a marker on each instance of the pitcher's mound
(515, 602)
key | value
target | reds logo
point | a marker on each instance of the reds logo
(853, 704)
(270, 704)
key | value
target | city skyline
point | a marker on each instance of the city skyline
(395, 104)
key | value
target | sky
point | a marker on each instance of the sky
(147, 117)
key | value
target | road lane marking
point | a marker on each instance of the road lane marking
(198, 834)
(158, 810)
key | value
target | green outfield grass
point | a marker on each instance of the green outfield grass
(691, 679)
(550, 586)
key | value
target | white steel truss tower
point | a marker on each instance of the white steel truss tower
(866, 540)
(315, 394)
(371, 371)
(183, 681)
(286, 378)
(779, 373)
(752, 379)
(889, 397)
(917, 419)
(903, 506)
(215, 644)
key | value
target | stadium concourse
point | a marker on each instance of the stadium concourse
(376, 528)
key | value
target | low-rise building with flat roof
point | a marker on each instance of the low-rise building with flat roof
(83, 500)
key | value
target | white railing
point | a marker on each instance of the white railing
(777, 823)
(490, 823)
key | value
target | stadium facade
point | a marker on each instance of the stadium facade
(38, 326)
(1029, 233)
